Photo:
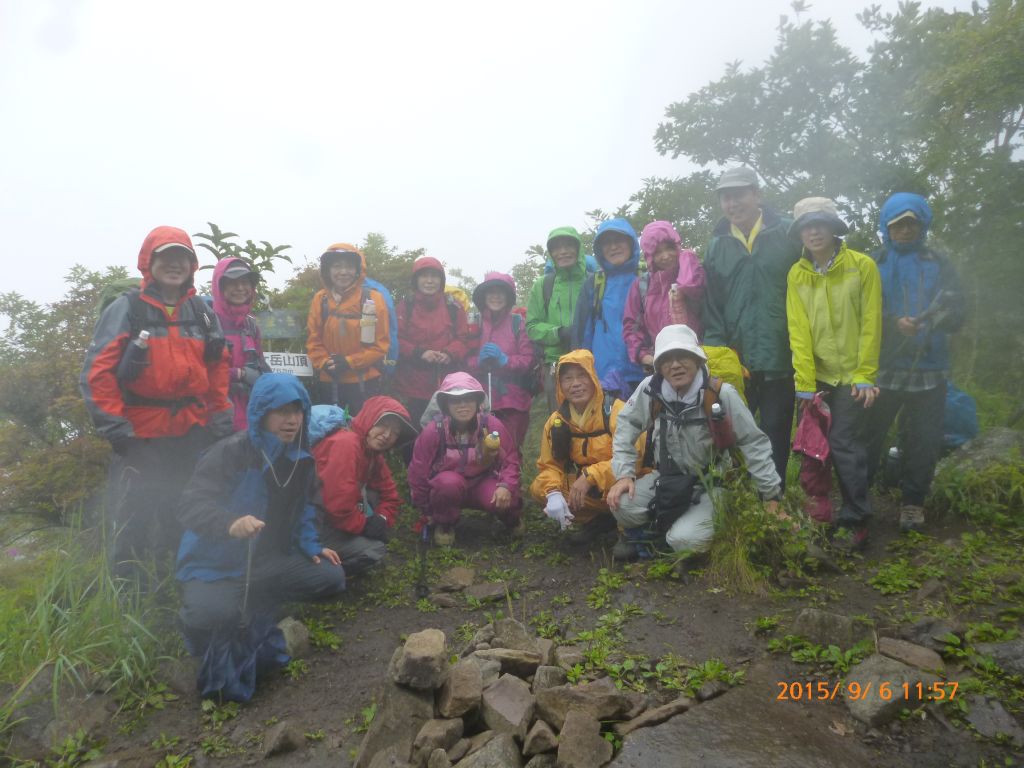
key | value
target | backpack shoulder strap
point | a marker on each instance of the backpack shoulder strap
(606, 412)
(323, 312)
(643, 284)
(549, 288)
(517, 324)
(711, 394)
(453, 311)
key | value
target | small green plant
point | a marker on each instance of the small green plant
(562, 600)
(76, 749)
(764, 625)
(473, 603)
(465, 631)
(174, 761)
(545, 624)
(607, 582)
(575, 673)
(295, 669)
(317, 735)
(163, 741)
(366, 715)
(321, 634)
(423, 605)
(899, 576)
(215, 715)
(217, 745)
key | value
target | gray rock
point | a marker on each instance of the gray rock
(445, 600)
(490, 669)
(477, 741)
(483, 635)
(499, 752)
(655, 716)
(422, 662)
(78, 713)
(991, 448)
(542, 761)
(281, 738)
(388, 758)
(930, 632)
(540, 739)
(179, 674)
(296, 636)
(487, 592)
(548, 677)
(580, 744)
(456, 579)
(824, 628)
(910, 653)
(568, 656)
(400, 716)
(546, 648)
(518, 663)
(461, 690)
(436, 734)
(992, 721)
(711, 689)
(509, 633)
(508, 706)
(460, 750)
(439, 759)
(593, 699)
(1009, 655)
(872, 674)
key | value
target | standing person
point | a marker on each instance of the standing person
(234, 290)
(358, 495)
(602, 304)
(922, 303)
(834, 306)
(551, 307)
(248, 507)
(159, 401)
(454, 466)
(746, 264)
(669, 293)
(346, 343)
(685, 443)
(433, 336)
(574, 468)
(506, 358)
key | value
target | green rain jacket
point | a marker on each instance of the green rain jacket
(543, 322)
(745, 300)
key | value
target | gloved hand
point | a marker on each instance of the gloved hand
(246, 375)
(565, 337)
(557, 509)
(491, 351)
(376, 527)
(340, 365)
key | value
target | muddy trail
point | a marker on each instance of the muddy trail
(673, 623)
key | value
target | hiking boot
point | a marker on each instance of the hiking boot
(585, 535)
(911, 518)
(850, 540)
(444, 536)
(624, 550)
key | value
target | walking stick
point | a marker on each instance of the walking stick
(422, 590)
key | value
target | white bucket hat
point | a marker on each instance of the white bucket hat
(677, 337)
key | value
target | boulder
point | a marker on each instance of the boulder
(1009, 655)
(546, 648)
(508, 706)
(488, 592)
(439, 759)
(388, 758)
(548, 677)
(499, 752)
(580, 743)
(509, 633)
(400, 716)
(911, 654)
(461, 690)
(540, 739)
(422, 662)
(654, 716)
(456, 579)
(824, 628)
(436, 734)
(712, 689)
(490, 669)
(931, 632)
(296, 636)
(992, 447)
(281, 738)
(445, 600)
(459, 751)
(568, 656)
(875, 707)
(518, 663)
(542, 761)
(594, 699)
(992, 721)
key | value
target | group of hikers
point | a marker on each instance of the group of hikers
(660, 371)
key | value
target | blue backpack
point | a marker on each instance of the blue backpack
(960, 423)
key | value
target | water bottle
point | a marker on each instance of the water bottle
(893, 467)
(368, 323)
(492, 442)
(720, 426)
(134, 359)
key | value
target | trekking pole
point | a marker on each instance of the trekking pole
(248, 574)
(422, 590)
(490, 401)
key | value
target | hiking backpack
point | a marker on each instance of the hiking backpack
(719, 423)
(369, 284)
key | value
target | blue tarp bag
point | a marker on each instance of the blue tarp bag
(961, 420)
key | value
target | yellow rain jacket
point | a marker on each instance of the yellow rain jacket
(835, 320)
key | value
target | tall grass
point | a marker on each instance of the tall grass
(66, 619)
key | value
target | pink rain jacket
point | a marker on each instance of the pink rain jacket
(437, 449)
(643, 319)
(507, 390)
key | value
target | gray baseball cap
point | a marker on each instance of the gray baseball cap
(740, 176)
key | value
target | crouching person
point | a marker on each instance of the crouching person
(358, 496)
(687, 436)
(463, 458)
(574, 469)
(251, 538)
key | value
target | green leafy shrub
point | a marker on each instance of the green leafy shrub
(992, 495)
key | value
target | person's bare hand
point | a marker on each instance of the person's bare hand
(625, 485)
(578, 493)
(329, 555)
(647, 360)
(245, 527)
(502, 498)
(908, 326)
(864, 395)
(443, 358)
(430, 356)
